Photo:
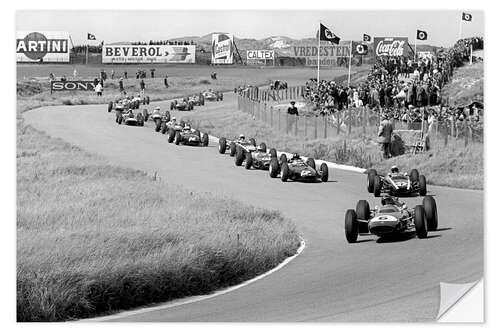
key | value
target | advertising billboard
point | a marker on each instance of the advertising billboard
(71, 86)
(144, 54)
(390, 46)
(42, 46)
(260, 54)
(329, 55)
(222, 48)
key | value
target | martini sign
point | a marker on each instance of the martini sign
(47, 46)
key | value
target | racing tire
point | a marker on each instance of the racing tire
(232, 149)
(119, 120)
(420, 222)
(248, 160)
(222, 145)
(202, 100)
(172, 106)
(163, 127)
(204, 140)
(190, 106)
(431, 215)
(324, 172)
(310, 161)
(273, 153)
(377, 187)
(110, 106)
(363, 213)
(177, 138)
(197, 132)
(171, 135)
(263, 146)
(221, 96)
(283, 159)
(147, 100)
(372, 173)
(274, 167)
(167, 115)
(252, 141)
(284, 172)
(158, 125)
(238, 159)
(351, 226)
(422, 185)
(145, 114)
(414, 175)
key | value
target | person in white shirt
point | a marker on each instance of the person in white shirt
(98, 89)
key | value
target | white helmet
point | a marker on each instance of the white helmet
(242, 137)
(187, 127)
(394, 169)
(173, 118)
(157, 108)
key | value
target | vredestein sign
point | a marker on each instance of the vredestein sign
(328, 54)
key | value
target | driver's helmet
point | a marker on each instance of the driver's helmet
(130, 111)
(157, 108)
(394, 169)
(174, 119)
(187, 128)
(296, 156)
(261, 149)
(242, 137)
(387, 201)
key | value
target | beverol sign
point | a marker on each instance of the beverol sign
(390, 46)
(71, 85)
(142, 54)
(260, 55)
(222, 49)
(46, 46)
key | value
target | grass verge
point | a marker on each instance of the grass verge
(93, 238)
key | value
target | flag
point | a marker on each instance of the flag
(90, 36)
(327, 35)
(421, 35)
(359, 49)
(367, 38)
(466, 17)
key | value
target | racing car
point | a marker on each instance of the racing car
(130, 118)
(159, 118)
(396, 183)
(393, 217)
(129, 102)
(259, 159)
(189, 137)
(297, 169)
(232, 146)
(211, 95)
(183, 105)
(174, 126)
(197, 100)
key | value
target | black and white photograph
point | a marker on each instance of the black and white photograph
(236, 165)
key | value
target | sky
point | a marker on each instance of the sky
(115, 26)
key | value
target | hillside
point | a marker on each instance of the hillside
(467, 85)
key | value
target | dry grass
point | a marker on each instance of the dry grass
(93, 239)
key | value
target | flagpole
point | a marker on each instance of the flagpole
(319, 37)
(415, 53)
(87, 54)
(460, 29)
(349, 73)
(470, 54)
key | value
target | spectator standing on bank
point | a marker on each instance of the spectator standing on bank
(384, 136)
(125, 75)
(292, 111)
(143, 86)
(152, 70)
(98, 89)
(165, 81)
(112, 74)
(75, 73)
(120, 85)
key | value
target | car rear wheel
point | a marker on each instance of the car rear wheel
(377, 186)
(351, 226)
(110, 106)
(273, 153)
(310, 161)
(431, 215)
(274, 167)
(283, 159)
(363, 213)
(232, 149)
(147, 100)
(167, 116)
(284, 172)
(177, 138)
(158, 125)
(422, 185)
(248, 160)
(172, 106)
(252, 141)
(145, 114)
(163, 127)
(372, 173)
(171, 135)
(204, 140)
(222, 145)
(420, 223)
(324, 172)
(238, 159)
(414, 175)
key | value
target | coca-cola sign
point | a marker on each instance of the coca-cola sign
(390, 46)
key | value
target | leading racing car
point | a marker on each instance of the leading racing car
(130, 118)
(211, 95)
(396, 183)
(297, 169)
(189, 137)
(184, 105)
(393, 217)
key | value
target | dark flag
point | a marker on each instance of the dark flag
(466, 17)
(359, 49)
(327, 35)
(421, 35)
(90, 36)
(367, 38)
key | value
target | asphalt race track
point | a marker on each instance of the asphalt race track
(331, 280)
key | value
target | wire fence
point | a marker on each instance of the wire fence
(349, 123)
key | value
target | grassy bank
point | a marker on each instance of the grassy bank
(93, 238)
(451, 165)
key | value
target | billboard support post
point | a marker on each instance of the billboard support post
(349, 72)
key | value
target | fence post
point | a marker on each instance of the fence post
(466, 132)
(363, 120)
(446, 134)
(316, 127)
(271, 115)
(350, 121)
(325, 118)
(296, 124)
(305, 127)
(279, 121)
(338, 122)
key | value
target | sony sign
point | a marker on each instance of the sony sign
(71, 86)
